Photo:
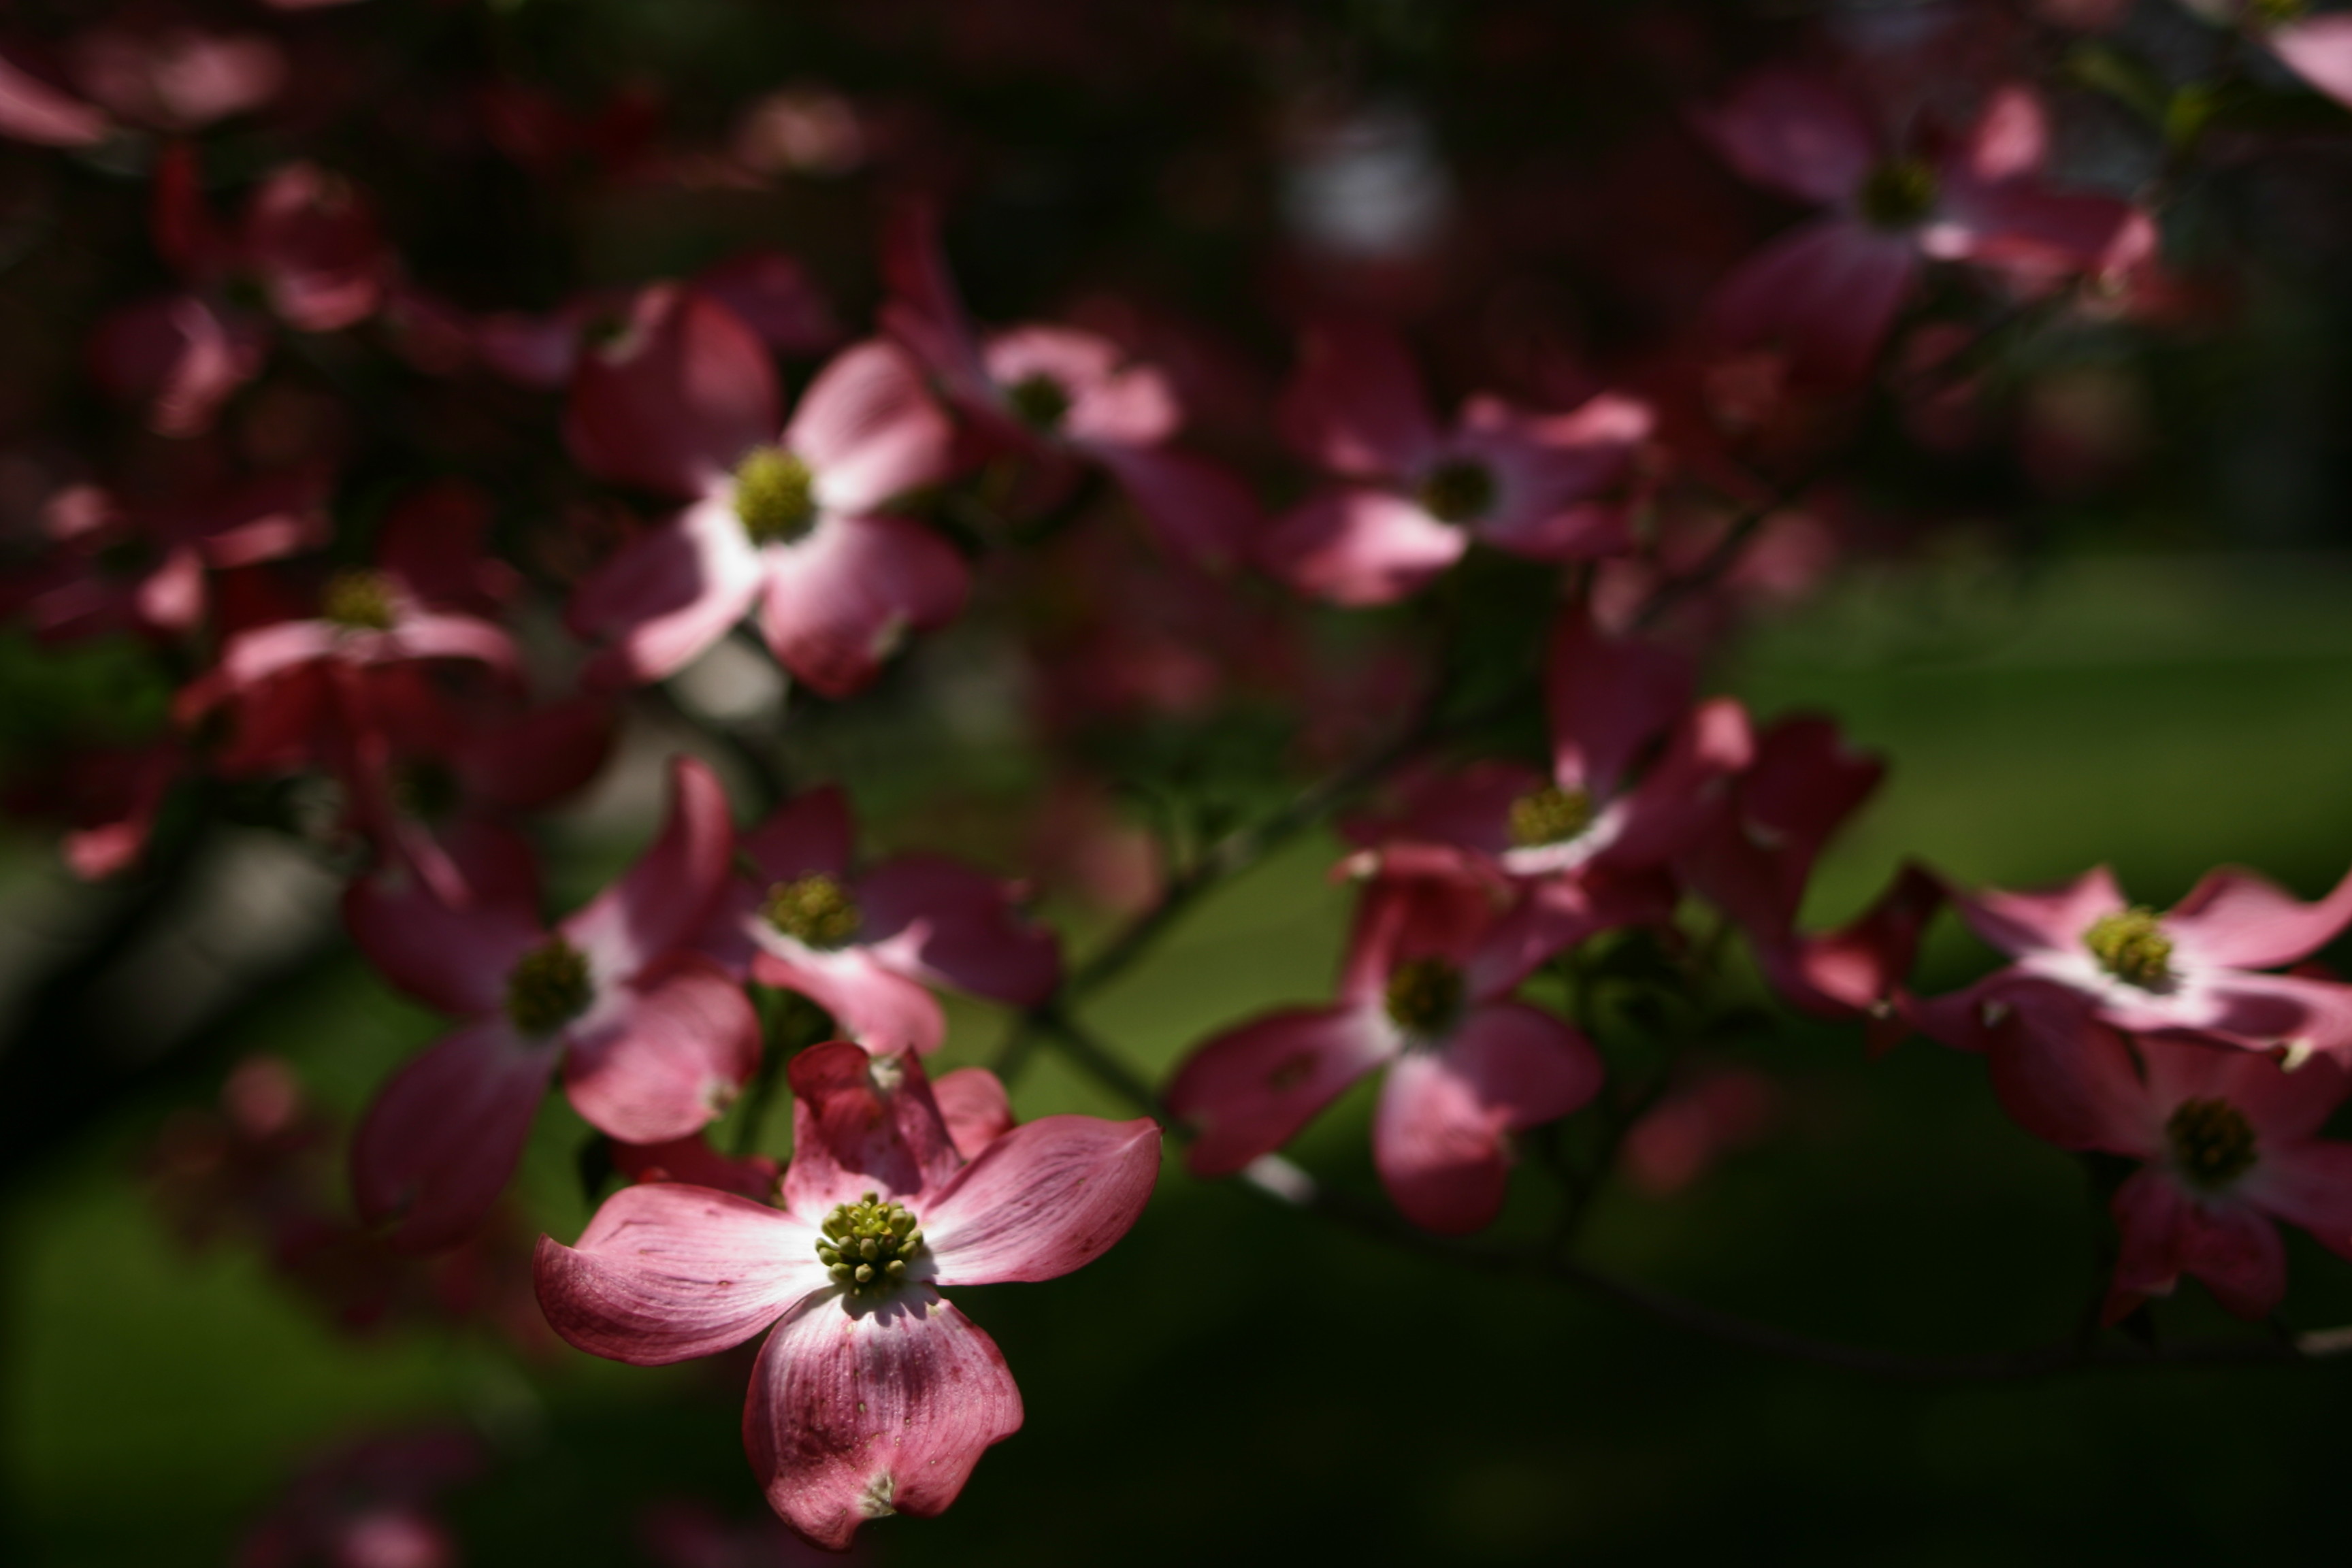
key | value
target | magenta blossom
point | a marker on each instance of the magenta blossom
(866, 945)
(2228, 1140)
(1416, 493)
(873, 1395)
(1831, 288)
(2191, 974)
(1426, 992)
(684, 403)
(1063, 396)
(652, 1039)
(1613, 702)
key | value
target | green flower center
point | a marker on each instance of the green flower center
(2212, 1142)
(2131, 946)
(1549, 816)
(1457, 490)
(867, 1244)
(775, 495)
(1424, 995)
(814, 909)
(357, 601)
(549, 987)
(1898, 194)
(1039, 400)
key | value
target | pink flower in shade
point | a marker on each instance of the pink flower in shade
(124, 565)
(1831, 288)
(44, 114)
(1425, 991)
(2191, 974)
(1707, 1115)
(679, 1534)
(1614, 703)
(1061, 394)
(1754, 859)
(2316, 49)
(368, 1504)
(2228, 1140)
(684, 403)
(1416, 494)
(1857, 969)
(873, 1394)
(866, 945)
(652, 1039)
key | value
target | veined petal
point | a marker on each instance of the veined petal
(973, 1104)
(1359, 546)
(442, 1138)
(1248, 1090)
(1042, 1200)
(2241, 920)
(666, 1272)
(880, 1008)
(843, 600)
(855, 1414)
(868, 428)
(667, 1057)
(862, 1124)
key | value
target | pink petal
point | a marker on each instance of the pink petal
(2026, 229)
(432, 635)
(772, 294)
(442, 1136)
(312, 239)
(2011, 138)
(666, 1272)
(1244, 1092)
(2149, 1212)
(665, 1058)
(661, 903)
(672, 401)
(1685, 786)
(1609, 699)
(172, 597)
(812, 832)
(1113, 402)
(1858, 967)
(2238, 1255)
(871, 1003)
(32, 111)
(1437, 1136)
(924, 312)
(455, 957)
(862, 1124)
(854, 1415)
(540, 757)
(1829, 291)
(692, 1162)
(2237, 919)
(667, 595)
(2255, 1010)
(252, 657)
(868, 428)
(942, 922)
(1756, 858)
(1546, 466)
(1360, 547)
(973, 1104)
(2309, 1184)
(1043, 1199)
(843, 600)
(1795, 132)
(179, 355)
(2287, 1108)
(2072, 1081)
(2319, 50)
(1355, 404)
(1195, 509)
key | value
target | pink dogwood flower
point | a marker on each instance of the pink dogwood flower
(1063, 395)
(1754, 859)
(2228, 1140)
(1613, 702)
(652, 1039)
(873, 1394)
(1415, 494)
(866, 945)
(1857, 969)
(2316, 49)
(1831, 288)
(2191, 974)
(684, 403)
(1425, 991)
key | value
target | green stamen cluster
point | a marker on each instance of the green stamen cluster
(1424, 995)
(1549, 816)
(1898, 194)
(2212, 1142)
(358, 601)
(775, 496)
(1039, 400)
(1457, 490)
(2131, 946)
(549, 987)
(814, 909)
(867, 1245)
